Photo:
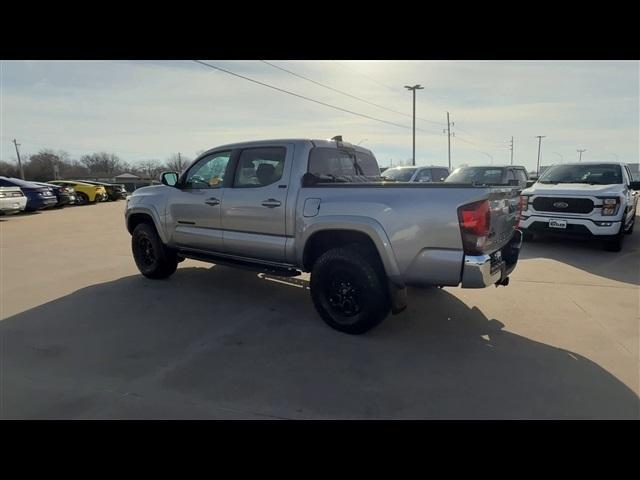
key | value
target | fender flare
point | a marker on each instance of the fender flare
(365, 225)
(150, 211)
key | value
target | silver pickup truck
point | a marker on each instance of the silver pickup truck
(320, 206)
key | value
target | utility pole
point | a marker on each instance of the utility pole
(448, 132)
(511, 150)
(19, 161)
(539, 137)
(413, 89)
(580, 150)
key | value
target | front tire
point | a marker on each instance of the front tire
(349, 291)
(614, 242)
(152, 258)
(82, 198)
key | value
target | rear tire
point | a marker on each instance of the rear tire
(349, 290)
(152, 258)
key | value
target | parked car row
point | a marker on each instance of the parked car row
(512, 175)
(18, 195)
(595, 200)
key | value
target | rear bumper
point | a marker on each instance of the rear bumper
(12, 204)
(40, 203)
(480, 271)
(577, 227)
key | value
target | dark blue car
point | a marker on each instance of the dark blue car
(38, 197)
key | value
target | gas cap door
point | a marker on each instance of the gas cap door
(311, 207)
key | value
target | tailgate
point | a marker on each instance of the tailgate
(504, 203)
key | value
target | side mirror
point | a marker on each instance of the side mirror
(530, 182)
(169, 178)
(635, 185)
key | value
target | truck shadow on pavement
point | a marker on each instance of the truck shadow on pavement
(589, 256)
(223, 343)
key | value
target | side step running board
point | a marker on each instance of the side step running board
(280, 271)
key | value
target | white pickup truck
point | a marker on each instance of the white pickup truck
(596, 200)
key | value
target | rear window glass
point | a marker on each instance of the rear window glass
(399, 174)
(521, 175)
(477, 175)
(332, 164)
(439, 174)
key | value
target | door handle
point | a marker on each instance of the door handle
(271, 203)
(212, 201)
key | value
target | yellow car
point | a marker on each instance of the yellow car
(85, 192)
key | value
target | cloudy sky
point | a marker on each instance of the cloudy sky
(149, 110)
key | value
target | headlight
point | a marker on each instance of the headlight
(610, 206)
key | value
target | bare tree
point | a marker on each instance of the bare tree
(151, 168)
(177, 163)
(102, 164)
(8, 169)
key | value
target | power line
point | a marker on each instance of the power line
(341, 92)
(390, 88)
(302, 96)
(364, 75)
(491, 143)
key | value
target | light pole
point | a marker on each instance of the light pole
(580, 150)
(490, 156)
(413, 89)
(539, 137)
(561, 157)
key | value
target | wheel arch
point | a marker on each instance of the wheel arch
(139, 215)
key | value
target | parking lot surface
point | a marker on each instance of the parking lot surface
(84, 335)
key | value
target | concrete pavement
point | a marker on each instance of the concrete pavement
(84, 335)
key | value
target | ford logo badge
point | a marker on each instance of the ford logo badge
(560, 205)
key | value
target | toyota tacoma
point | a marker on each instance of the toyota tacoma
(321, 206)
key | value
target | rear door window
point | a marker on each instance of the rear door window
(259, 167)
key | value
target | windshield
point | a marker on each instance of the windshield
(476, 175)
(603, 174)
(398, 174)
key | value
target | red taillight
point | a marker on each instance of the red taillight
(475, 223)
(522, 206)
(475, 218)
